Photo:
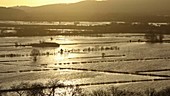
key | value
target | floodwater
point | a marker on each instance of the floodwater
(78, 23)
(85, 60)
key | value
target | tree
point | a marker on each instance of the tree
(20, 86)
(34, 54)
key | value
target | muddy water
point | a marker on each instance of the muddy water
(81, 61)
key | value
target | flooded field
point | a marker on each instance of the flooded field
(88, 61)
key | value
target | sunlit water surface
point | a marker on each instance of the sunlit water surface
(77, 55)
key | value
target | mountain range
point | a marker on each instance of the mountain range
(89, 10)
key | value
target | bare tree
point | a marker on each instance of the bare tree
(36, 90)
(20, 86)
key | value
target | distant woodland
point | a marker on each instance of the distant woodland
(50, 30)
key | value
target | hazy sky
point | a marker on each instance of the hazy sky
(33, 2)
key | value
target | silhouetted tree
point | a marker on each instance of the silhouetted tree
(154, 37)
(164, 92)
(37, 90)
(150, 92)
(53, 84)
(34, 54)
(20, 86)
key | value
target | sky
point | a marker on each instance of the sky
(9, 3)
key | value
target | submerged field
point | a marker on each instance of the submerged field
(128, 63)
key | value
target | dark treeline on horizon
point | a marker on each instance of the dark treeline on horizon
(44, 30)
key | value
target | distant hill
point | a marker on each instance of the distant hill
(90, 10)
(11, 14)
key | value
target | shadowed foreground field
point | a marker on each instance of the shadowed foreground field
(55, 88)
